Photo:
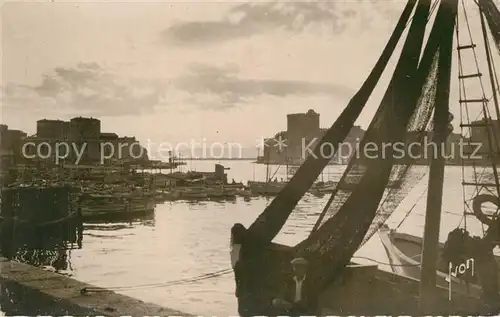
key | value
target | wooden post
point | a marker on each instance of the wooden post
(492, 135)
(437, 163)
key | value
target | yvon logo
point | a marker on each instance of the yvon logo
(459, 269)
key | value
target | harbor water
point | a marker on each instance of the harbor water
(188, 239)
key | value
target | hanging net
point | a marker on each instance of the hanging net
(492, 15)
(272, 219)
(416, 88)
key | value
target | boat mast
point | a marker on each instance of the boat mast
(486, 123)
(490, 64)
(437, 163)
(267, 165)
(253, 172)
(493, 151)
(286, 159)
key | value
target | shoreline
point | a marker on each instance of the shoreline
(61, 294)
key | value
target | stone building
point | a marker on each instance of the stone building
(10, 144)
(81, 135)
(122, 149)
(483, 135)
(86, 132)
(303, 133)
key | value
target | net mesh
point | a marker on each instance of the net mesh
(406, 109)
(272, 219)
(402, 117)
(492, 15)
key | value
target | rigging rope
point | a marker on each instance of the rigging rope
(274, 174)
(384, 263)
(163, 284)
(195, 279)
(412, 208)
(485, 110)
(352, 163)
(272, 219)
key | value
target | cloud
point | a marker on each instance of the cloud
(248, 19)
(90, 89)
(224, 82)
(86, 88)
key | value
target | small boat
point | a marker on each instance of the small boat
(221, 192)
(245, 192)
(145, 206)
(195, 193)
(405, 254)
(266, 188)
(107, 206)
(234, 185)
(320, 188)
(164, 195)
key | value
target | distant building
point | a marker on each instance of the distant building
(130, 150)
(481, 135)
(52, 129)
(86, 132)
(80, 133)
(10, 146)
(303, 131)
(109, 142)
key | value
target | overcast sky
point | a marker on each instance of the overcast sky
(225, 71)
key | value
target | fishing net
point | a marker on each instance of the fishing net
(492, 15)
(407, 176)
(272, 219)
(405, 110)
(406, 107)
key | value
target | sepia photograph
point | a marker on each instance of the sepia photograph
(259, 158)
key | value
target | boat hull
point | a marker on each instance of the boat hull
(266, 189)
(404, 252)
(365, 290)
(118, 211)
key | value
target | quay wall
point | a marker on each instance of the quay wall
(28, 290)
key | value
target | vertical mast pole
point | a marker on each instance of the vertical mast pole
(267, 157)
(493, 131)
(437, 162)
(490, 64)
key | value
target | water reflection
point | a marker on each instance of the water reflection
(40, 246)
(50, 248)
(147, 221)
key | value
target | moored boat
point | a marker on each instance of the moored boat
(405, 255)
(419, 86)
(195, 193)
(405, 250)
(266, 188)
(108, 206)
(221, 192)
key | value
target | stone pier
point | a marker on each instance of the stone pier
(39, 292)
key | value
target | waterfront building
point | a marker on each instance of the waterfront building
(86, 131)
(304, 131)
(118, 149)
(10, 144)
(80, 133)
(52, 129)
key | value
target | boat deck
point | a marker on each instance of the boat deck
(411, 249)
